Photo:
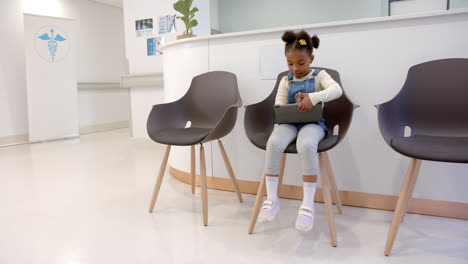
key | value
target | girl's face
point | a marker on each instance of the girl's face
(298, 62)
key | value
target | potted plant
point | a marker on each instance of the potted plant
(183, 6)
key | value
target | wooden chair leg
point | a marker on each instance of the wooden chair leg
(204, 193)
(192, 166)
(327, 199)
(401, 205)
(280, 179)
(157, 186)
(257, 205)
(334, 190)
(230, 171)
(411, 188)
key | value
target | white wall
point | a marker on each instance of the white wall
(13, 111)
(102, 59)
(100, 53)
(203, 17)
(54, 8)
(373, 60)
(142, 99)
(135, 47)
(103, 106)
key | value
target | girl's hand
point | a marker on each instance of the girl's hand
(298, 97)
(305, 104)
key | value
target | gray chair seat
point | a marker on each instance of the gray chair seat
(447, 149)
(210, 120)
(260, 140)
(180, 136)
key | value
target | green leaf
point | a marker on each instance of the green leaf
(186, 22)
(189, 4)
(181, 7)
(194, 10)
(193, 23)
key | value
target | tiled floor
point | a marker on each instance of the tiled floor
(86, 200)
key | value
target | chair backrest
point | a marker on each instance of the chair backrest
(434, 98)
(337, 112)
(209, 96)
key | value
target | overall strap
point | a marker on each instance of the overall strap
(316, 72)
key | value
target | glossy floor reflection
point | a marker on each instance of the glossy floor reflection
(86, 200)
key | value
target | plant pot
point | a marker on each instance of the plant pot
(186, 36)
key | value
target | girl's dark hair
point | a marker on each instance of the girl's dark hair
(301, 40)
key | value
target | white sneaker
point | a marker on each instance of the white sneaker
(305, 219)
(268, 211)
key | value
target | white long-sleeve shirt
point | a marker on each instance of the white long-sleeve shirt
(326, 89)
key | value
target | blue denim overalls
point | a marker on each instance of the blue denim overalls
(306, 86)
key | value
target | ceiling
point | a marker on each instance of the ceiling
(117, 3)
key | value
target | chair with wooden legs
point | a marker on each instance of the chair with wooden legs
(211, 105)
(432, 103)
(259, 122)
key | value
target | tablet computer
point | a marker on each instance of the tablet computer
(288, 114)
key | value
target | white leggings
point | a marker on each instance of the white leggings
(307, 142)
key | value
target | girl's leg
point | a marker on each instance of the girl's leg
(279, 140)
(308, 139)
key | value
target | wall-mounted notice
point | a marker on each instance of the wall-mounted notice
(144, 27)
(167, 24)
(154, 45)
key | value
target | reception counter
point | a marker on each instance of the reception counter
(372, 57)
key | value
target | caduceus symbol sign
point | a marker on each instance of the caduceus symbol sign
(52, 44)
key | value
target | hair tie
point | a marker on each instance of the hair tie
(302, 42)
(285, 43)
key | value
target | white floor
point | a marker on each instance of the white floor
(86, 200)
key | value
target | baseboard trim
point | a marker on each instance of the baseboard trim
(357, 199)
(104, 127)
(73, 136)
(24, 139)
(14, 140)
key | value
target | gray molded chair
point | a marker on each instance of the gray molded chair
(432, 103)
(211, 105)
(259, 122)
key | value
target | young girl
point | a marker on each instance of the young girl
(307, 87)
